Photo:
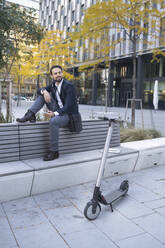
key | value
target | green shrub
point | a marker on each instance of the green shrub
(133, 134)
(2, 118)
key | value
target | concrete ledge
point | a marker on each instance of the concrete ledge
(151, 152)
(33, 176)
(76, 173)
(15, 180)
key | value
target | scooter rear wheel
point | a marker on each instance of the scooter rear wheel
(124, 186)
(88, 211)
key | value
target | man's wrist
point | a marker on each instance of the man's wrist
(42, 91)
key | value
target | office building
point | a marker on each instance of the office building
(63, 14)
(26, 3)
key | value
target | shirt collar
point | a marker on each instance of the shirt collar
(59, 86)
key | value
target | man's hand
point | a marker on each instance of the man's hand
(49, 114)
(46, 96)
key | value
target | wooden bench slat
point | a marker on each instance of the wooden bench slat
(10, 153)
(67, 135)
(9, 137)
(9, 159)
(36, 130)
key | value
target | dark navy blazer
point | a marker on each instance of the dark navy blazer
(67, 95)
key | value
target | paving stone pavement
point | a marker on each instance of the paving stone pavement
(55, 219)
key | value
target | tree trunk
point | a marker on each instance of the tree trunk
(19, 92)
(38, 82)
(0, 98)
(8, 102)
(133, 104)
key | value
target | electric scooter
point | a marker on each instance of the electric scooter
(93, 207)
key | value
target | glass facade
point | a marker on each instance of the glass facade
(154, 71)
(93, 90)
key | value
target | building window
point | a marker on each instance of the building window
(47, 10)
(82, 10)
(64, 21)
(52, 5)
(123, 72)
(55, 15)
(154, 4)
(42, 15)
(73, 15)
(145, 36)
(62, 10)
(49, 20)
(162, 32)
(151, 69)
(69, 4)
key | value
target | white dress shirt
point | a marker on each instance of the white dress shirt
(58, 91)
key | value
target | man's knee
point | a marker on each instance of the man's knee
(55, 121)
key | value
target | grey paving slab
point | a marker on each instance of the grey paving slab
(156, 203)
(142, 194)
(142, 241)
(7, 239)
(116, 226)
(77, 193)
(151, 179)
(16, 205)
(39, 236)
(161, 211)
(68, 220)
(22, 215)
(2, 213)
(160, 190)
(135, 208)
(154, 224)
(80, 204)
(86, 239)
(51, 200)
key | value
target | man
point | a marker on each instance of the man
(60, 98)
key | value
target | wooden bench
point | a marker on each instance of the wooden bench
(31, 140)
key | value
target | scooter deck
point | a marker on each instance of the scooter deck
(114, 195)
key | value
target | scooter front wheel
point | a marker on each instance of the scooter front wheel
(88, 213)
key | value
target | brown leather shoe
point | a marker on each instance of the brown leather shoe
(51, 156)
(29, 116)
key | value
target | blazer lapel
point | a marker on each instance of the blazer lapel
(62, 89)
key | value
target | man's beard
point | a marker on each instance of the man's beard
(58, 80)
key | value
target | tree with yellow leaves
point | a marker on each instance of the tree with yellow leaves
(52, 49)
(138, 21)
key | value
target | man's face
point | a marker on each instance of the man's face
(57, 74)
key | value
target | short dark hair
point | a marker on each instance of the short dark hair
(55, 66)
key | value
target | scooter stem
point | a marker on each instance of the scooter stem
(105, 152)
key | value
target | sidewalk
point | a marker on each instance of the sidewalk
(56, 220)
